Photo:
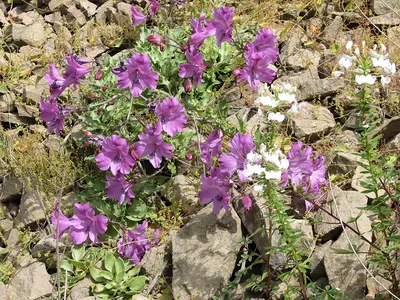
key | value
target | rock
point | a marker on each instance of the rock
(74, 15)
(101, 16)
(183, 193)
(156, 261)
(13, 238)
(6, 225)
(375, 289)
(254, 123)
(317, 261)
(309, 87)
(13, 208)
(3, 18)
(46, 246)
(139, 297)
(386, 6)
(33, 35)
(234, 98)
(204, 253)
(333, 30)
(26, 110)
(7, 102)
(389, 129)
(59, 4)
(358, 177)
(31, 282)
(33, 93)
(394, 144)
(30, 210)
(307, 236)
(349, 204)
(394, 38)
(68, 201)
(312, 121)
(88, 7)
(345, 270)
(11, 189)
(40, 129)
(344, 163)
(389, 19)
(81, 290)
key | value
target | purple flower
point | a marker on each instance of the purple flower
(247, 203)
(138, 74)
(56, 82)
(134, 243)
(115, 155)
(151, 144)
(195, 67)
(85, 224)
(154, 7)
(240, 146)
(171, 114)
(265, 43)
(222, 23)
(120, 189)
(75, 69)
(59, 220)
(256, 70)
(137, 17)
(212, 146)
(215, 189)
(155, 39)
(98, 75)
(201, 32)
(50, 112)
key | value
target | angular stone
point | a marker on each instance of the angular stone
(389, 129)
(182, 192)
(334, 29)
(101, 17)
(81, 290)
(349, 204)
(26, 110)
(254, 123)
(312, 121)
(59, 4)
(15, 119)
(317, 261)
(6, 225)
(30, 210)
(88, 7)
(32, 282)
(394, 144)
(11, 189)
(387, 6)
(46, 245)
(358, 177)
(7, 102)
(74, 15)
(33, 35)
(344, 163)
(375, 289)
(204, 254)
(157, 262)
(33, 93)
(389, 19)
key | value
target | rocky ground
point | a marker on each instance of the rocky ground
(201, 256)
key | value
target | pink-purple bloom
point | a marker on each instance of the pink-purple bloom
(120, 189)
(307, 171)
(134, 243)
(59, 220)
(172, 116)
(154, 7)
(152, 145)
(240, 146)
(202, 29)
(215, 188)
(247, 202)
(222, 23)
(211, 147)
(136, 74)
(137, 17)
(55, 80)
(115, 156)
(51, 113)
(264, 43)
(194, 68)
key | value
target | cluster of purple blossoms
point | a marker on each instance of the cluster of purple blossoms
(138, 17)
(136, 74)
(172, 116)
(194, 69)
(83, 225)
(306, 170)
(259, 55)
(50, 112)
(134, 243)
(120, 189)
(211, 147)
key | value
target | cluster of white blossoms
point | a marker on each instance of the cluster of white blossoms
(271, 98)
(274, 161)
(368, 64)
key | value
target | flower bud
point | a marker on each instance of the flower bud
(189, 156)
(105, 87)
(99, 112)
(112, 102)
(162, 47)
(236, 72)
(87, 133)
(184, 47)
(134, 154)
(93, 96)
(155, 39)
(187, 85)
(98, 75)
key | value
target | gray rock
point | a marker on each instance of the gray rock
(386, 6)
(345, 271)
(33, 93)
(307, 236)
(358, 177)
(234, 98)
(254, 123)
(241, 114)
(60, 4)
(182, 192)
(45, 246)
(74, 15)
(13, 208)
(27, 111)
(3, 18)
(334, 29)
(344, 163)
(13, 238)
(6, 225)
(31, 282)
(389, 129)
(317, 261)
(139, 297)
(389, 19)
(375, 289)
(204, 253)
(7, 102)
(394, 144)
(11, 189)
(394, 37)
(88, 7)
(349, 204)
(156, 262)
(30, 210)
(33, 35)
(81, 290)
(312, 121)
(101, 16)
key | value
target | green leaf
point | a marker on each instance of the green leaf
(78, 252)
(106, 275)
(342, 251)
(3, 88)
(95, 273)
(65, 265)
(393, 238)
(78, 264)
(137, 283)
(109, 262)
(119, 268)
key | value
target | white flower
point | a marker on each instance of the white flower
(273, 175)
(258, 188)
(277, 158)
(288, 87)
(276, 117)
(357, 51)
(253, 157)
(267, 101)
(363, 44)
(250, 170)
(369, 79)
(295, 108)
(288, 97)
(337, 74)
(349, 44)
(260, 112)
(385, 80)
(383, 48)
(346, 61)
